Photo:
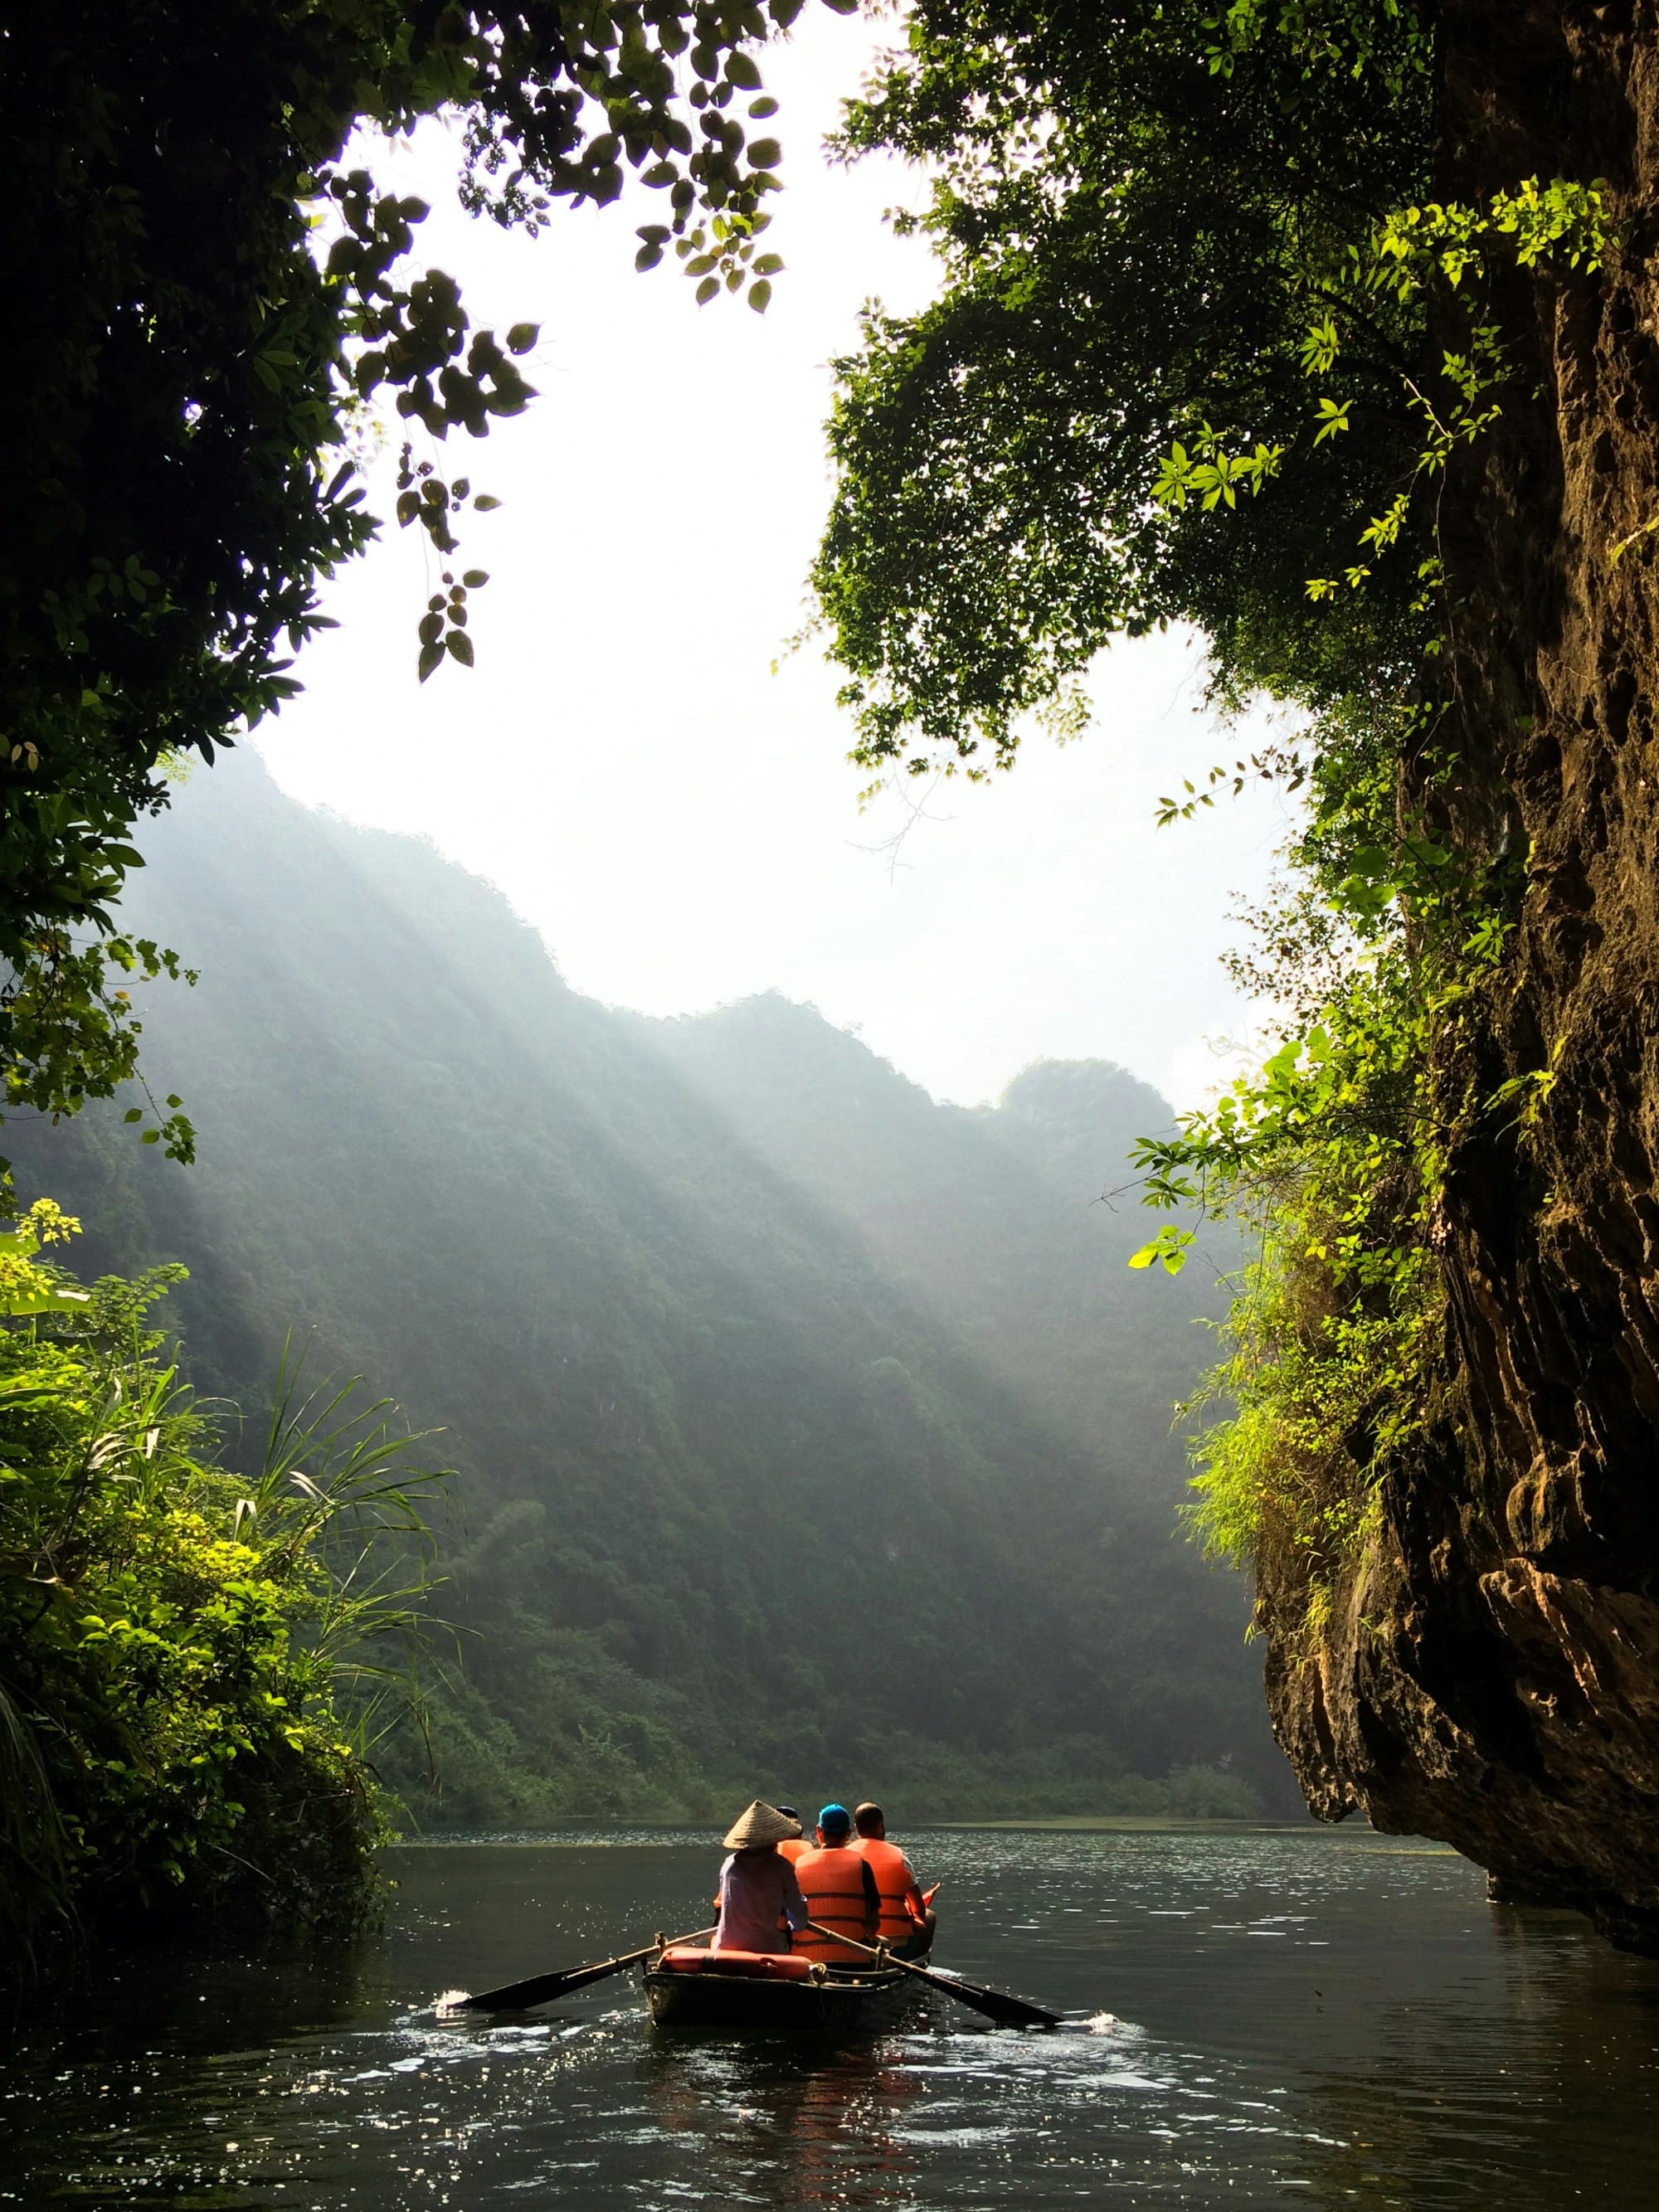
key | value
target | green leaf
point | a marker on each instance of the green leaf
(1168, 1249)
(24, 1304)
(760, 296)
(522, 337)
(431, 658)
(460, 647)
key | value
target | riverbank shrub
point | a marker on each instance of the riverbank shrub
(189, 1656)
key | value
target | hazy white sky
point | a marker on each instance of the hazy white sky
(679, 821)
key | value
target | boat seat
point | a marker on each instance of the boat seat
(758, 1965)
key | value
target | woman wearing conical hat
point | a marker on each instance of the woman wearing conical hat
(759, 1890)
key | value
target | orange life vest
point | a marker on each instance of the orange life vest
(894, 1879)
(832, 1882)
(792, 1848)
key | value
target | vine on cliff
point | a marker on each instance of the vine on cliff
(1167, 230)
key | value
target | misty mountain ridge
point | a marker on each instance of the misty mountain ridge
(809, 1434)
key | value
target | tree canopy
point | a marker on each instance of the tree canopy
(1232, 333)
(1150, 219)
(210, 298)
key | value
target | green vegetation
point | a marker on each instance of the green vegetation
(809, 1434)
(188, 419)
(188, 1656)
(1110, 418)
(1208, 352)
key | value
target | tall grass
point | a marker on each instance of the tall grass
(194, 1665)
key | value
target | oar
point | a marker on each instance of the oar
(995, 2004)
(542, 1989)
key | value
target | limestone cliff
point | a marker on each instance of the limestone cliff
(1490, 1674)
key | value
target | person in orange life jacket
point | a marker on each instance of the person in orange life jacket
(840, 1889)
(791, 1846)
(907, 1920)
(760, 1900)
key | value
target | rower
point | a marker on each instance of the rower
(760, 1900)
(840, 1889)
(907, 1920)
(788, 1847)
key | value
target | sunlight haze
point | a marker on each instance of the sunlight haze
(680, 821)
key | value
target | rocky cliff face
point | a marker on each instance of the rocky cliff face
(1490, 1674)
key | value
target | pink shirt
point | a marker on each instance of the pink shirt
(757, 1890)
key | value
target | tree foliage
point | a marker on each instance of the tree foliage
(188, 1655)
(210, 296)
(1209, 350)
(1148, 257)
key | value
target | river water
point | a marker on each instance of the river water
(1254, 2018)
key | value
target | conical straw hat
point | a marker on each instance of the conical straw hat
(761, 1824)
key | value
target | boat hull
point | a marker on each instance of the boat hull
(843, 2001)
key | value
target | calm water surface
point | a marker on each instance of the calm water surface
(1266, 2018)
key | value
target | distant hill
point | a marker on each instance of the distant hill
(1000, 1217)
(812, 1436)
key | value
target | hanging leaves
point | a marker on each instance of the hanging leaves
(176, 434)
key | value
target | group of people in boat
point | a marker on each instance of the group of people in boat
(848, 1886)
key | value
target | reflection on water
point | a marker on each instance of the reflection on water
(1253, 2019)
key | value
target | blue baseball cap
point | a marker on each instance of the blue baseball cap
(835, 1819)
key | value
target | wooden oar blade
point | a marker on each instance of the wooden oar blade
(1000, 2005)
(540, 1989)
(996, 2004)
(543, 1988)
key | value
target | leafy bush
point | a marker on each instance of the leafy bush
(1332, 1154)
(187, 1668)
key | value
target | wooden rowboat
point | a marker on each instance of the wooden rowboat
(828, 2000)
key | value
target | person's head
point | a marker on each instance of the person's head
(834, 1826)
(870, 1820)
(789, 1813)
(761, 1828)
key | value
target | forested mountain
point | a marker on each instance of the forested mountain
(1003, 1218)
(809, 1435)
